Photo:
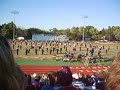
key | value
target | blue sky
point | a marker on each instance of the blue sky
(61, 14)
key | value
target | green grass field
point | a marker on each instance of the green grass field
(56, 63)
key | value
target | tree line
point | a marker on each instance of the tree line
(112, 33)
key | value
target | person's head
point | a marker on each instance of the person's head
(113, 80)
(88, 76)
(102, 75)
(36, 77)
(4, 41)
(8, 69)
(20, 77)
(64, 76)
(116, 58)
(6, 52)
(51, 78)
(28, 79)
(75, 77)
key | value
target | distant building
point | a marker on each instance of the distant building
(48, 37)
(61, 38)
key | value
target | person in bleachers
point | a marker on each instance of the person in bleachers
(76, 82)
(101, 80)
(82, 78)
(64, 78)
(11, 76)
(88, 80)
(113, 79)
(29, 85)
(35, 81)
(50, 80)
(94, 79)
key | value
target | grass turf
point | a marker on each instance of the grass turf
(56, 63)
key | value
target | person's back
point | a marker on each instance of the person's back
(47, 87)
(50, 80)
(78, 84)
(113, 77)
(100, 85)
(64, 77)
(69, 88)
(30, 87)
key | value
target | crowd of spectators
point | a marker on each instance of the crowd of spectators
(64, 79)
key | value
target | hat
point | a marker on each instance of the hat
(34, 75)
(75, 76)
(93, 76)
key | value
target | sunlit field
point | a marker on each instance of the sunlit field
(50, 60)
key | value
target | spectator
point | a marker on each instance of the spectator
(11, 76)
(20, 76)
(113, 80)
(29, 85)
(94, 79)
(35, 81)
(50, 80)
(88, 80)
(82, 78)
(76, 82)
(101, 80)
(64, 78)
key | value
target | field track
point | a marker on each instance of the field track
(75, 69)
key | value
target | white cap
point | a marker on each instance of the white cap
(75, 76)
(34, 75)
(92, 76)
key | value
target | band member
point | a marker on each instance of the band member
(17, 50)
(36, 51)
